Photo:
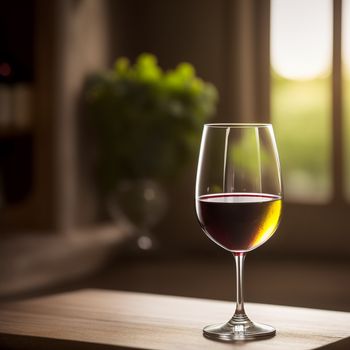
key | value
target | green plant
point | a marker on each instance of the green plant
(147, 122)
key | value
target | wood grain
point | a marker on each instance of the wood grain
(99, 319)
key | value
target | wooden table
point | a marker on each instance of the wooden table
(99, 319)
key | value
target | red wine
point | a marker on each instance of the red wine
(239, 221)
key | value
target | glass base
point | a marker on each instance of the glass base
(233, 330)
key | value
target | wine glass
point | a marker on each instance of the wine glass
(238, 205)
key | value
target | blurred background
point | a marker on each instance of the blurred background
(281, 61)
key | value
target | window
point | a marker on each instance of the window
(301, 96)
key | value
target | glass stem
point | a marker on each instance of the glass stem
(239, 315)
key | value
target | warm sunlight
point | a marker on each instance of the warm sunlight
(346, 35)
(301, 38)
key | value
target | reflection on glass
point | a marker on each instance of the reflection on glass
(301, 55)
(346, 89)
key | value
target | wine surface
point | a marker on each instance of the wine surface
(239, 222)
